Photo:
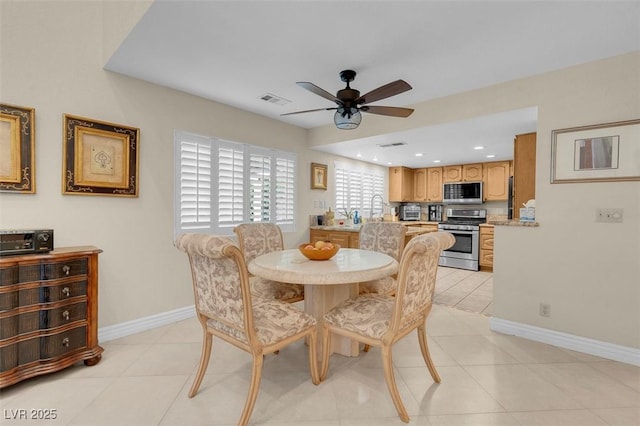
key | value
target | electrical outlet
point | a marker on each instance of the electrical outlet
(609, 215)
(545, 310)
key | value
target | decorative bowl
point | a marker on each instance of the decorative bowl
(325, 253)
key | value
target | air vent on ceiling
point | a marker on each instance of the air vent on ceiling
(389, 145)
(274, 99)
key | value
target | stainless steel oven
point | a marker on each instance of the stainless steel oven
(464, 225)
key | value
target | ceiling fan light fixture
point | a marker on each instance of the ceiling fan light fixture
(347, 119)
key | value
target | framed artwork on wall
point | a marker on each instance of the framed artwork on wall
(17, 149)
(99, 158)
(597, 153)
(318, 176)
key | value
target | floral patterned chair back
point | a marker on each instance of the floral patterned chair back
(256, 239)
(384, 237)
(220, 285)
(387, 238)
(417, 279)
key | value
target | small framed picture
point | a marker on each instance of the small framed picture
(17, 149)
(602, 152)
(318, 176)
(99, 158)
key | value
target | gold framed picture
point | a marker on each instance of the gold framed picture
(597, 153)
(17, 149)
(99, 158)
(318, 176)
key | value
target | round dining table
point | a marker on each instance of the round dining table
(326, 282)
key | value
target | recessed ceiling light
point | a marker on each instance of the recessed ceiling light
(358, 155)
(418, 154)
(388, 163)
(491, 155)
(375, 158)
(478, 147)
(436, 161)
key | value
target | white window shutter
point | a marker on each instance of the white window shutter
(230, 186)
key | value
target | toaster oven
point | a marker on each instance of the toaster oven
(410, 212)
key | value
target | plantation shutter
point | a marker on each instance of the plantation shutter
(194, 183)
(230, 185)
(355, 188)
(259, 187)
(285, 191)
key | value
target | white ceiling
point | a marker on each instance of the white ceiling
(234, 52)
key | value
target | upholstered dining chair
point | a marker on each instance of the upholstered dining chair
(382, 320)
(256, 239)
(226, 309)
(387, 238)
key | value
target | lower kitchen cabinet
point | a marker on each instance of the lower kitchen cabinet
(346, 239)
(48, 312)
(486, 247)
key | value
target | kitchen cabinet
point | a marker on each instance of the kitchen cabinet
(48, 312)
(400, 184)
(346, 239)
(486, 247)
(472, 172)
(495, 180)
(452, 173)
(420, 185)
(524, 171)
(434, 184)
(462, 173)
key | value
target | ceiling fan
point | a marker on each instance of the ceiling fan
(350, 103)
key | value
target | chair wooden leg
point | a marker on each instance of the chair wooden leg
(391, 383)
(326, 345)
(207, 339)
(254, 386)
(422, 338)
(313, 357)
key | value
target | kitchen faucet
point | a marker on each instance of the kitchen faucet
(381, 205)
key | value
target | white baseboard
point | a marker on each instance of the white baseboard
(116, 331)
(606, 350)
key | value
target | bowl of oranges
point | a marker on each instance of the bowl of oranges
(320, 250)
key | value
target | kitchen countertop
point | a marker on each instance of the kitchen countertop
(515, 222)
(411, 228)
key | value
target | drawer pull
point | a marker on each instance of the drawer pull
(65, 315)
(66, 291)
(66, 269)
(65, 342)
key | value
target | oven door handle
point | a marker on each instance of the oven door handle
(458, 231)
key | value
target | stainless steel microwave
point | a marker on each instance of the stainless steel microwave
(462, 193)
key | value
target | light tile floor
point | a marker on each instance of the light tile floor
(487, 379)
(469, 291)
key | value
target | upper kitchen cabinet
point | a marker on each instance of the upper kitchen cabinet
(452, 173)
(420, 185)
(524, 170)
(400, 184)
(434, 184)
(462, 173)
(495, 180)
(472, 172)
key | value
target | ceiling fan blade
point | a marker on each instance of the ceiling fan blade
(387, 110)
(318, 91)
(382, 92)
(309, 110)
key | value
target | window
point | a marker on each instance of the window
(356, 187)
(221, 184)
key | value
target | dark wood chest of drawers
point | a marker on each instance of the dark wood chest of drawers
(48, 312)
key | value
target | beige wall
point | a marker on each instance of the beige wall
(51, 59)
